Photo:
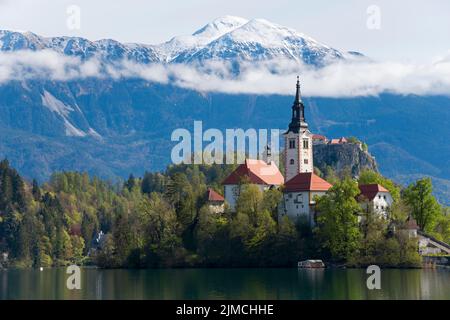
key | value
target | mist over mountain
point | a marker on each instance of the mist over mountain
(115, 125)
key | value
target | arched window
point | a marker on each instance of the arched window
(291, 161)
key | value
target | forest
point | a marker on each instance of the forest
(163, 220)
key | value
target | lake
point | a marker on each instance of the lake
(225, 284)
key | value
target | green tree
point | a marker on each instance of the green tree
(250, 201)
(161, 230)
(271, 200)
(153, 182)
(338, 229)
(442, 228)
(130, 183)
(212, 237)
(36, 191)
(424, 206)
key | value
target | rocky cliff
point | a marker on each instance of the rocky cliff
(341, 157)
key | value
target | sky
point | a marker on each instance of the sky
(413, 31)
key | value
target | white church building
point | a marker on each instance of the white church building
(301, 184)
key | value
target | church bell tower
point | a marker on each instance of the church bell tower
(298, 141)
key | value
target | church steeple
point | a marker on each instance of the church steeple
(298, 112)
(298, 141)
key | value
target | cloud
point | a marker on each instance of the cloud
(342, 79)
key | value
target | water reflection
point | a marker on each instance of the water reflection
(225, 284)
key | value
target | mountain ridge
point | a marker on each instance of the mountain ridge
(227, 37)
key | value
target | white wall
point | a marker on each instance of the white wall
(299, 154)
(231, 193)
(382, 202)
(299, 204)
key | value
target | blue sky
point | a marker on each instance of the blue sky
(411, 31)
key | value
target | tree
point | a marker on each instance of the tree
(77, 248)
(212, 237)
(271, 200)
(424, 206)
(399, 212)
(250, 201)
(36, 191)
(338, 230)
(373, 236)
(161, 230)
(106, 256)
(130, 183)
(153, 182)
(285, 250)
(442, 228)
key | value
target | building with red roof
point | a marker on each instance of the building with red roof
(319, 139)
(375, 198)
(265, 175)
(299, 195)
(215, 201)
(213, 196)
(338, 141)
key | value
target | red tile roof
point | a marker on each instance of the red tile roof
(338, 141)
(307, 181)
(214, 196)
(256, 171)
(319, 137)
(369, 191)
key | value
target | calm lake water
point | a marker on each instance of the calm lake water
(225, 284)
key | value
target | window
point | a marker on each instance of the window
(384, 197)
(291, 161)
(382, 208)
(305, 143)
(379, 197)
(305, 161)
(291, 143)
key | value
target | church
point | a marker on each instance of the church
(301, 184)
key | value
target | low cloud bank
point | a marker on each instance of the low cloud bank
(342, 79)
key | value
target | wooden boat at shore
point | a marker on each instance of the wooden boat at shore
(311, 264)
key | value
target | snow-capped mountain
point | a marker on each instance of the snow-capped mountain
(258, 40)
(107, 49)
(227, 38)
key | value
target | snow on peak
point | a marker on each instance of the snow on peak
(268, 34)
(200, 38)
(220, 26)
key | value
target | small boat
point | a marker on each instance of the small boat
(311, 264)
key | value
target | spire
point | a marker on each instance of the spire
(298, 111)
(298, 95)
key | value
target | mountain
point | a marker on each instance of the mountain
(116, 126)
(226, 38)
(257, 40)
